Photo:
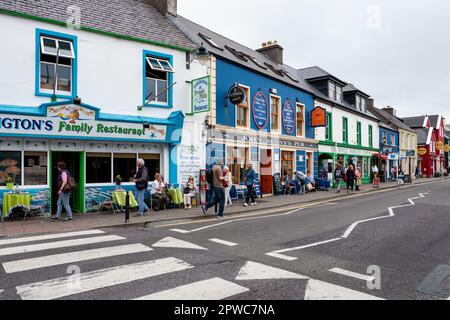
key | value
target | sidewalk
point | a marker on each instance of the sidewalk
(94, 221)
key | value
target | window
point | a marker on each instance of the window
(339, 93)
(256, 62)
(370, 136)
(57, 63)
(287, 164)
(290, 76)
(345, 130)
(210, 41)
(158, 79)
(332, 90)
(242, 110)
(237, 158)
(392, 139)
(275, 105)
(358, 102)
(384, 137)
(35, 168)
(329, 128)
(10, 167)
(358, 133)
(125, 166)
(363, 104)
(153, 164)
(300, 120)
(98, 168)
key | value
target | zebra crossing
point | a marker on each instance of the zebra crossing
(17, 259)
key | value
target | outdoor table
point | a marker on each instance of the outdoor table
(176, 196)
(11, 200)
(119, 198)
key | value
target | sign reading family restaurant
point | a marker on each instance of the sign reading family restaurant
(74, 120)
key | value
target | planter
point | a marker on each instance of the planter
(10, 186)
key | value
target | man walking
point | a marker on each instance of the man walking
(218, 191)
(141, 181)
(250, 177)
(338, 177)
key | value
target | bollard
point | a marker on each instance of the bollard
(127, 208)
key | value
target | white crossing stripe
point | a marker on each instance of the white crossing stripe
(50, 237)
(170, 242)
(70, 257)
(352, 274)
(85, 282)
(212, 289)
(258, 271)
(227, 243)
(319, 290)
(57, 245)
(1, 290)
(281, 256)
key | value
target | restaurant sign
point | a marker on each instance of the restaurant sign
(260, 110)
(75, 121)
(288, 118)
(318, 117)
(200, 95)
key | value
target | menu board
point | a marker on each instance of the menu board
(260, 110)
(277, 185)
(189, 162)
(288, 117)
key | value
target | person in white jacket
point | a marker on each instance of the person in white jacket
(229, 182)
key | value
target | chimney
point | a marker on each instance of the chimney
(371, 103)
(164, 6)
(273, 50)
(390, 110)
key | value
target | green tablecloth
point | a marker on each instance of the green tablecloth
(11, 200)
(176, 195)
(119, 199)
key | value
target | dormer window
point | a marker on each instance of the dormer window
(363, 104)
(332, 90)
(338, 93)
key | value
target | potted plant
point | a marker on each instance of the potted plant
(119, 180)
(9, 183)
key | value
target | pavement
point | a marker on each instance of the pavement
(107, 219)
(389, 244)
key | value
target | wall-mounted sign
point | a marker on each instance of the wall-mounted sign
(440, 145)
(446, 148)
(236, 95)
(200, 95)
(410, 153)
(288, 117)
(422, 151)
(260, 110)
(318, 117)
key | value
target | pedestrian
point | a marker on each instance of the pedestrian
(338, 177)
(250, 177)
(350, 178)
(357, 178)
(189, 193)
(141, 182)
(218, 191)
(228, 184)
(324, 174)
(63, 193)
(375, 172)
(301, 177)
(159, 198)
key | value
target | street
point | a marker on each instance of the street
(389, 245)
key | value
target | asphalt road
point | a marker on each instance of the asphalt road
(389, 245)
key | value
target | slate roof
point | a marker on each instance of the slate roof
(351, 88)
(422, 135)
(434, 120)
(390, 119)
(312, 73)
(414, 122)
(133, 18)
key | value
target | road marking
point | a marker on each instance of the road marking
(347, 233)
(65, 258)
(50, 237)
(258, 271)
(319, 290)
(227, 243)
(1, 290)
(170, 242)
(75, 284)
(212, 289)
(57, 245)
(353, 274)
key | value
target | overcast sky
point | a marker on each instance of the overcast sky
(396, 51)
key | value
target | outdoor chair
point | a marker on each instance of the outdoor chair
(40, 207)
(106, 202)
(288, 188)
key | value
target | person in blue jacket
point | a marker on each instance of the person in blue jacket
(250, 177)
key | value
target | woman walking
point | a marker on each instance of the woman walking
(350, 174)
(63, 195)
(228, 184)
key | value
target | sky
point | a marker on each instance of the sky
(398, 51)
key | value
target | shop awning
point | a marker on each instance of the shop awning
(378, 155)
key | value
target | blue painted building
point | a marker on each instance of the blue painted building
(389, 148)
(270, 127)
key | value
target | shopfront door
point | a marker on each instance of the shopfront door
(265, 161)
(75, 165)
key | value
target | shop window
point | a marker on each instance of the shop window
(56, 64)
(242, 110)
(10, 167)
(153, 164)
(344, 130)
(125, 166)
(275, 105)
(35, 168)
(300, 120)
(98, 168)
(158, 79)
(237, 159)
(287, 164)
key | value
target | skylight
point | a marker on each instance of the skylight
(238, 54)
(210, 41)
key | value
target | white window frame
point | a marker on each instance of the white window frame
(332, 88)
(339, 97)
(249, 102)
(304, 119)
(159, 63)
(279, 114)
(58, 92)
(358, 102)
(57, 41)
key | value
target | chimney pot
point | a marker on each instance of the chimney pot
(273, 50)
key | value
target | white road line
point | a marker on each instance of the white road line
(319, 290)
(352, 274)
(281, 256)
(170, 242)
(212, 289)
(258, 271)
(50, 237)
(1, 290)
(70, 257)
(180, 231)
(227, 243)
(57, 245)
(75, 284)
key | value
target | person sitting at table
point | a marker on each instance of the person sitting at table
(311, 178)
(141, 181)
(159, 198)
(189, 193)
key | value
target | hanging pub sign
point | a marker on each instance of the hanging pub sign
(288, 117)
(318, 117)
(446, 148)
(200, 95)
(440, 145)
(260, 110)
(236, 94)
(422, 151)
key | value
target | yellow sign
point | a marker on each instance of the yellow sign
(440, 145)
(422, 151)
(446, 148)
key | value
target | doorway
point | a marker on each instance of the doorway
(265, 160)
(75, 165)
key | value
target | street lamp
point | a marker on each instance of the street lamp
(201, 55)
